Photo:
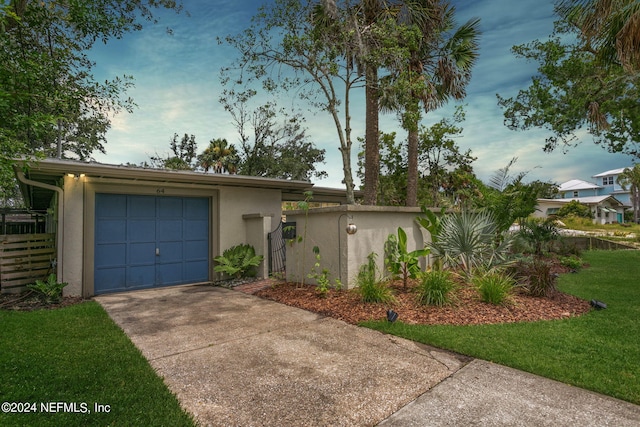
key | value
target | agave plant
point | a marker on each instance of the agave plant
(471, 240)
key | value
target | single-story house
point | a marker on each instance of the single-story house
(121, 228)
(605, 209)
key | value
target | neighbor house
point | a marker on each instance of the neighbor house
(121, 228)
(605, 197)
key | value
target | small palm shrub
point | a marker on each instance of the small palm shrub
(494, 287)
(471, 241)
(370, 286)
(238, 261)
(435, 288)
(538, 234)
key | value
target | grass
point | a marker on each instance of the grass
(78, 355)
(599, 351)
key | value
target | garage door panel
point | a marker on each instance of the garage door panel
(142, 253)
(196, 250)
(141, 207)
(170, 207)
(112, 230)
(193, 229)
(111, 280)
(170, 252)
(142, 276)
(111, 255)
(111, 205)
(130, 228)
(139, 230)
(170, 230)
(170, 274)
(194, 208)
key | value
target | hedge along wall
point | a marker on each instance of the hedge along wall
(342, 254)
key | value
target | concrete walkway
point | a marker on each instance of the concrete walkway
(235, 359)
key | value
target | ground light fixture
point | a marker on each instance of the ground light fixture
(598, 305)
(392, 316)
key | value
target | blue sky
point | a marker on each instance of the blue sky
(177, 90)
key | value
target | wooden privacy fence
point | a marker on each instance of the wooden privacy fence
(25, 258)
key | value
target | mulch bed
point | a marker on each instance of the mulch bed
(29, 301)
(467, 308)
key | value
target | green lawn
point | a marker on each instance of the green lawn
(79, 357)
(599, 351)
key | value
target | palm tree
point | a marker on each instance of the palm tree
(439, 68)
(611, 27)
(219, 156)
(630, 177)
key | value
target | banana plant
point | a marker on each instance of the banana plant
(400, 262)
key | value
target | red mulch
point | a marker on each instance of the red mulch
(467, 308)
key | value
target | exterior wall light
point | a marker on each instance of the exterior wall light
(75, 176)
(351, 228)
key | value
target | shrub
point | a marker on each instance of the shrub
(534, 274)
(238, 261)
(572, 262)
(538, 234)
(471, 241)
(494, 287)
(49, 291)
(401, 262)
(435, 288)
(574, 208)
(370, 286)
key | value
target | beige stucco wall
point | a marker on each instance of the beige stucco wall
(343, 254)
(238, 215)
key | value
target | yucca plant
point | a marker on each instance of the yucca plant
(471, 240)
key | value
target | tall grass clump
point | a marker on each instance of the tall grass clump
(370, 286)
(435, 287)
(494, 287)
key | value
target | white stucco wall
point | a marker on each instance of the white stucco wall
(343, 254)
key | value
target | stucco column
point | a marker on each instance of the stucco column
(258, 227)
(73, 234)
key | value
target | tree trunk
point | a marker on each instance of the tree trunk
(412, 168)
(372, 138)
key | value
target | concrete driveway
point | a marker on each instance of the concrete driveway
(235, 359)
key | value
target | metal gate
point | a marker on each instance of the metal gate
(277, 240)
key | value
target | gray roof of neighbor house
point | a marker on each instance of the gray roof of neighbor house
(609, 172)
(591, 200)
(577, 184)
(51, 171)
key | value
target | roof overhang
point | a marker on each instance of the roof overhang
(52, 171)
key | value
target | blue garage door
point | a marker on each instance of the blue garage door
(147, 241)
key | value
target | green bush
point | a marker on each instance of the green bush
(238, 261)
(494, 287)
(370, 286)
(49, 291)
(574, 208)
(573, 262)
(435, 288)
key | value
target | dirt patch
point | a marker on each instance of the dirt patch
(467, 308)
